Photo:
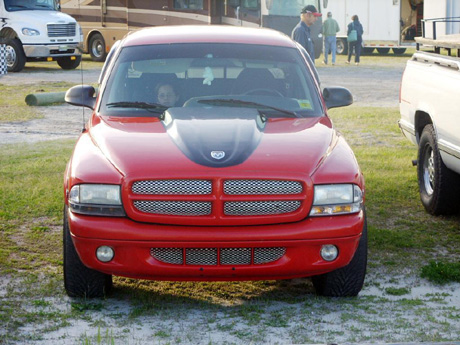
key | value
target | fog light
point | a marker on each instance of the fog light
(329, 252)
(105, 254)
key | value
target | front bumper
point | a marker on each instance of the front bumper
(55, 50)
(133, 242)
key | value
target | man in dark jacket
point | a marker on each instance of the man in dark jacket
(301, 32)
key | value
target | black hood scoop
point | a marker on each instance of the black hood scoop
(215, 136)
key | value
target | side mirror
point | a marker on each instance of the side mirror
(81, 95)
(337, 97)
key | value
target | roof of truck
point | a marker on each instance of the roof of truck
(207, 33)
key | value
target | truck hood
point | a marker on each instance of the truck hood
(198, 141)
(39, 19)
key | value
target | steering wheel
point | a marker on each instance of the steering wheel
(264, 91)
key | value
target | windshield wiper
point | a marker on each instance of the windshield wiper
(246, 103)
(152, 107)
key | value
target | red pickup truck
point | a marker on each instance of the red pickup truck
(210, 156)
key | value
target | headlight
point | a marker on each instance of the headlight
(337, 199)
(30, 32)
(96, 199)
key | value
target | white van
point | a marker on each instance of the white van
(36, 30)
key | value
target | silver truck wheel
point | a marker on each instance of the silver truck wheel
(97, 48)
(438, 185)
(15, 57)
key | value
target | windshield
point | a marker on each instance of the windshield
(147, 80)
(26, 5)
(289, 7)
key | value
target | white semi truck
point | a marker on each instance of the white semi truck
(35, 30)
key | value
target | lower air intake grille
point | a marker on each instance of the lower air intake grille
(168, 255)
(235, 256)
(208, 256)
(266, 255)
(201, 256)
(175, 208)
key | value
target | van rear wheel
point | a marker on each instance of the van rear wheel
(97, 48)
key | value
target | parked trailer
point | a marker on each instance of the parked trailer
(105, 21)
(387, 24)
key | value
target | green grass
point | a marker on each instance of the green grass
(14, 108)
(442, 272)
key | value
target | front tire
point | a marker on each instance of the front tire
(67, 63)
(79, 280)
(346, 281)
(437, 184)
(15, 57)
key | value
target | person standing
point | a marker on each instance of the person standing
(329, 31)
(301, 32)
(356, 44)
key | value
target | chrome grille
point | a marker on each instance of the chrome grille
(176, 208)
(201, 256)
(208, 256)
(172, 187)
(266, 255)
(235, 256)
(168, 255)
(61, 30)
(258, 187)
(258, 208)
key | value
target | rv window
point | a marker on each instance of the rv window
(188, 4)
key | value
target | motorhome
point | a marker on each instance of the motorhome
(106, 21)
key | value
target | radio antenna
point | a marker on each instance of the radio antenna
(80, 48)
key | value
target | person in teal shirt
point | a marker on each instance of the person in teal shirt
(329, 31)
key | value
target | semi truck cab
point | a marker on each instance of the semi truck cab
(36, 30)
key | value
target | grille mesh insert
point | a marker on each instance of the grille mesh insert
(266, 255)
(258, 208)
(168, 255)
(176, 208)
(261, 187)
(208, 256)
(172, 187)
(235, 256)
(201, 256)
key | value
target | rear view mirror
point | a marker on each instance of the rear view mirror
(337, 97)
(81, 95)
